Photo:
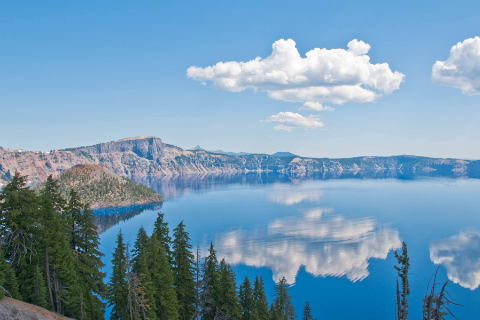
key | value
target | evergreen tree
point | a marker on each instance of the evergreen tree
(18, 218)
(74, 213)
(142, 276)
(260, 298)
(307, 312)
(210, 287)
(63, 283)
(161, 232)
(282, 307)
(247, 301)
(162, 281)
(402, 294)
(227, 292)
(8, 279)
(117, 287)
(183, 272)
(90, 264)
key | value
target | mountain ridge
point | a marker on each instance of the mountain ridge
(150, 156)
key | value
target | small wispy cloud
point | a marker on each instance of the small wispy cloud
(289, 120)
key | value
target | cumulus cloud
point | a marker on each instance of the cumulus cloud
(315, 106)
(326, 245)
(462, 68)
(323, 75)
(289, 120)
(460, 255)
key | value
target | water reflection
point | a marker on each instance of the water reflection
(460, 255)
(288, 196)
(326, 244)
(176, 186)
(105, 218)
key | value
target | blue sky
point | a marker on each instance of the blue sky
(80, 73)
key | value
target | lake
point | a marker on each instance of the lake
(333, 239)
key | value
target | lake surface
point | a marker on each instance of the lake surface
(332, 238)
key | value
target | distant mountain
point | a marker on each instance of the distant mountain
(102, 188)
(284, 154)
(230, 153)
(197, 148)
(150, 156)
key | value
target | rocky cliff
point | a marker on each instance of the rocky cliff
(149, 156)
(11, 309)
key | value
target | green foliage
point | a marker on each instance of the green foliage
(282, 307)
(227, 297)
(261, 303)
(403, 269)
(162, 280)
(161, 232)
(183, 271)
(210, 286)
(96, 186)
(117, 293)
(247, 301)
(307, 312)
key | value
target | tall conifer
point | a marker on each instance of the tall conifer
(183, 272)
(282, 307)
(90, 264)
(227, 292)
(210, 288)
(261, 302)
(117, 287)
(247, 302)
(162, 281)
(161, 232)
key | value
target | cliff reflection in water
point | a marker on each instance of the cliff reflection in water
(175, 186)
(105, 218)
(325, 243)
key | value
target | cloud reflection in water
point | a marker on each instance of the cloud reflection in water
(326, 244)
(460, 255)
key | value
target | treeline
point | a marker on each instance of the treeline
(49, 253)
(161, 278)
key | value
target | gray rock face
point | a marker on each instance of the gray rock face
(149, 156)
(11, 309)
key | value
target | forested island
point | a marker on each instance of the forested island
(102, 188)
(49, 257)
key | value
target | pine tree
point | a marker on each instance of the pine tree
(8, 279)
(210, 287)
(161, 232)
(261, 303)
(90, 264)
(282, 307)
(117, 287)
(307, 315)
(63, 283)
(402, 294)
(183, 272)
(227, 297)
(74, 213)
(247, 301)
(162, 281)
(143, 280)
(18, 218)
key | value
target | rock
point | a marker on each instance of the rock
(11, 309)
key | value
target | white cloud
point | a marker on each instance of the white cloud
(326, 246)
(323, 75)
(315, 106)
(462, 68)
(460, 255)
(289, 120)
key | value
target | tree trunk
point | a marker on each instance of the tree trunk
(399, 305)
(49, 283)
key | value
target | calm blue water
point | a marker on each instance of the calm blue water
(334, 239)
